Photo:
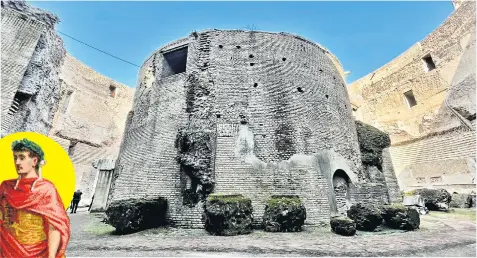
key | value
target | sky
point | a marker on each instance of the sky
(362, 35)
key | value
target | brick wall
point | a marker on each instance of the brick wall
(274, 102)
(370, 193)
(393, 190)
(92, 136)
(379, 96)
(441, 161)
(20, 35)
(33, 55)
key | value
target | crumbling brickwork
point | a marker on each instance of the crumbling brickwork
(46, 90)
(32, 54)
(91, 135)
(424, 98)
(268, 114)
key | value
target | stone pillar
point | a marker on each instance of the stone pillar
(105, 168)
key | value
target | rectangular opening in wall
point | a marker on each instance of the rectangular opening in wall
(112, 91)
(429, 63)
(19, 99)
(410, 99)
(71, 148)
(175, 62)
(66, 103)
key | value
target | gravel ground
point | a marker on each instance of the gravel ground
(437, 236)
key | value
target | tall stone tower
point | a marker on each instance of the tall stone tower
(244, 112)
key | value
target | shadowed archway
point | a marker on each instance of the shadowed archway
(341, 186)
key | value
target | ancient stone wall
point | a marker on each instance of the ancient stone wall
(253, 113)
(432, 135)
(32, 54)
(441, 161)
(380, 97)
(91, 117)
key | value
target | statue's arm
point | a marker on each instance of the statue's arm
(54, 239)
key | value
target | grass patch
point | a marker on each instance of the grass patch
(227, 198)
(278, 200)
(455, 213)
(99, 229)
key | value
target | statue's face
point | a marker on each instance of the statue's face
(24, 162)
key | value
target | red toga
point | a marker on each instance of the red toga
(26, 216)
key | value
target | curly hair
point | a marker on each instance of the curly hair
(32, 148)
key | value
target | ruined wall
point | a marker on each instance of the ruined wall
(441, 161)
(439, 128)
(380, 95)
(48, 91)
(91, 117)
(255, 113)
(32, 54)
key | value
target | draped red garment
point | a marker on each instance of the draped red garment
(45, 201)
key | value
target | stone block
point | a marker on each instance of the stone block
(435, 199)
(367, 216)
(459, 201)
(284, 213)
(343, 226)
(133, 215)
(228, 215)
(401, 217)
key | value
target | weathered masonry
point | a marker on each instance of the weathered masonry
(245, 112)
(46, 90)
(425, 100)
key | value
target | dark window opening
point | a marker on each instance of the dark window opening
(255, 85)
(175, 62)
(19, 99)
(430, 65)
(252, 64)
(251, 56)
(238, 47)
(112, 91)
(71, 148)
(411, 100)
(218, 115)
(220, 46)
(299, 89)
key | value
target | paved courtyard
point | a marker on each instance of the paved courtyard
(441, 234)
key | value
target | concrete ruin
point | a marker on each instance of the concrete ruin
(247, 112)
(425, 100)
(46, 90)
(244, 112)
(32, 54)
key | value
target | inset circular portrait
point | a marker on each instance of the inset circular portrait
(33, 155)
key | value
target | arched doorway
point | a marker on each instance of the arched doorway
(341, 188)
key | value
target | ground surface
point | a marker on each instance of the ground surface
(441, 234)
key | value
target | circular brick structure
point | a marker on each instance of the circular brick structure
(238, 112)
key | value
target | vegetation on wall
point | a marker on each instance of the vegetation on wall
(194, 142)
(371, 144)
